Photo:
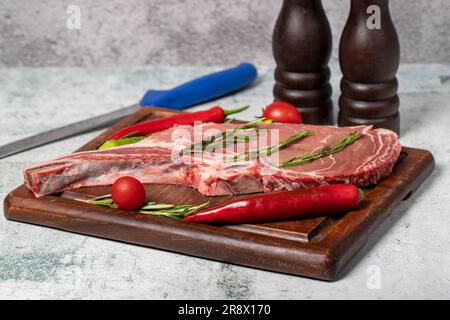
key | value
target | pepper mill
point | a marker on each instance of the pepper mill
(369, 56)
(302, 48)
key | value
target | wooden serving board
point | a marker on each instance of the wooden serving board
(318, 248)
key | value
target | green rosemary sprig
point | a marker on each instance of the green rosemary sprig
(225, 138)
(177, 212)
(105, 200)
(267, 151)
(174, 212)
(326, 151)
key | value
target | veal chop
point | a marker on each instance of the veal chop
(162, 158)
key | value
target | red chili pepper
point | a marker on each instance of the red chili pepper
(215, 114)
(308, 203)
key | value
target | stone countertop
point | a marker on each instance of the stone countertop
(409, 253)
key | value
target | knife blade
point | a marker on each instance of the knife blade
(197, 91)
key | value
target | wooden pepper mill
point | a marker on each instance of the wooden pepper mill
(302, 47)
(369, 56)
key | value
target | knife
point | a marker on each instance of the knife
(197, 91)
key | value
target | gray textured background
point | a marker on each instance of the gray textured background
(187, 32)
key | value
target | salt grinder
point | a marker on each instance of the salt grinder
(302, 45)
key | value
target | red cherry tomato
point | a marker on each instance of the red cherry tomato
(128, 193)
(284, 112)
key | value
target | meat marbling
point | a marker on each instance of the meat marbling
(156, 160)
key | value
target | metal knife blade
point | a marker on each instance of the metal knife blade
(67, 131)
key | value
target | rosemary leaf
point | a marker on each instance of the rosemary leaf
(167, 214)
(160, 206)
(107, 202)
(101, 197)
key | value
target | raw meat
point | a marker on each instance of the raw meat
(160, 159)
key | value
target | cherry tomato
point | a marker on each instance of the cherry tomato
(128, 193)
(281, 111)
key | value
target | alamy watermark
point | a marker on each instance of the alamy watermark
(374, 277)
(73, 21)
(374, 20)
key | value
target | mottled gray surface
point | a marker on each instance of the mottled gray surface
(411, 248)
(188, 32)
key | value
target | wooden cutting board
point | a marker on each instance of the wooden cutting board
(318, 248)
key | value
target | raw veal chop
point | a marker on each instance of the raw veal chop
(160, 159)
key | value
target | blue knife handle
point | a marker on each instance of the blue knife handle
(203, 89)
